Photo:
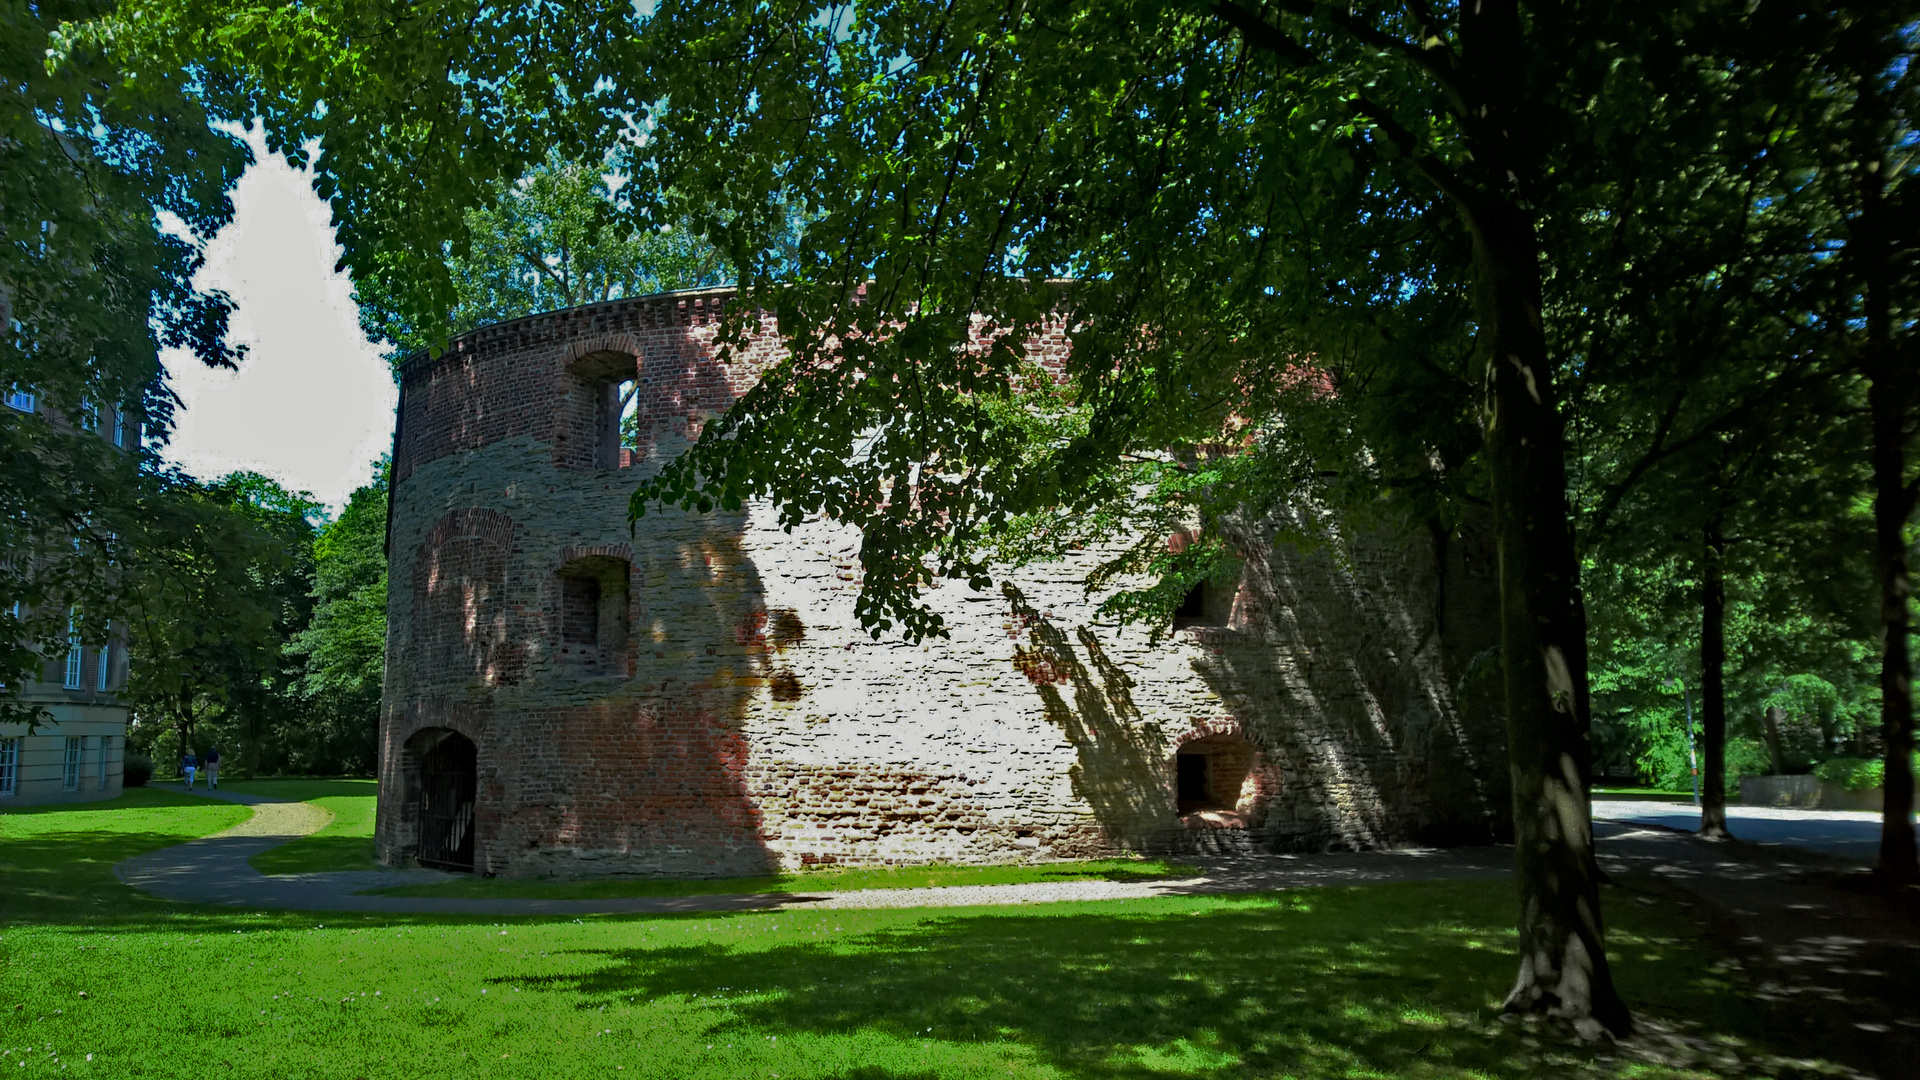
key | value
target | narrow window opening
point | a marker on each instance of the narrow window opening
(70, 771)
(9, 766)
(76, 656)
(1195, 782)
(608, 385)
(106, 745)
(615, 424)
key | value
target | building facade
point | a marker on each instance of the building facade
(78, 755)
(567, 697)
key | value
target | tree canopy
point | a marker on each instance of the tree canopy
(1556, 265)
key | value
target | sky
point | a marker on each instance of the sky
(312, 404)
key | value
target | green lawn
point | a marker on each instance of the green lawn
(346, 843)
(884, 877)
(302, 789)
(1376, 981)
(56, 863)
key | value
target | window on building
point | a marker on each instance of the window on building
(70, 765)
(1211, 773)
(614, 404)
(76, 656)
(106, 745)
(580, 610)
(9, 766)
(593, 612)
(1195, 782)
(119, 426)
(106, 664)
(89, 415)
(21, 400)
(608, 399)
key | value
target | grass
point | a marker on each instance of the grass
(885, 877)
(56, 862)
(345, 843)
(302, 789)
(1375, 981)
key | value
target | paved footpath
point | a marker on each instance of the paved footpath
(1834, 965)
(214, 870)
(1849, 834)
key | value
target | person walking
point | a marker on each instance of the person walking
(188, 763)
(213, 768)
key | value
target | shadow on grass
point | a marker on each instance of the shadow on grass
(130, 798)
(317, 854)
(1336, 982)
(810, 881)
(300, 789)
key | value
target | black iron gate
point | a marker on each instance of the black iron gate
(447, 783)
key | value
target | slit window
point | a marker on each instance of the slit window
(9, 766)
(615, 424)
(70, 765)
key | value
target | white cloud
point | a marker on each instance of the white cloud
(312, 405)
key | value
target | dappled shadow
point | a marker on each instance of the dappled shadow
(1335, 983)
(595, 663)
(1121, 768)
(1351, 667)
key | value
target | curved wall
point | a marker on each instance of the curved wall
(696, 697)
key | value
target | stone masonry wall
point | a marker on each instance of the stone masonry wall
(732, 718)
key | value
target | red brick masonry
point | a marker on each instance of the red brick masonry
(696, 697)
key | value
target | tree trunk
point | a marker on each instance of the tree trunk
(1563, 960)
(1713, 686)
(1776, 758)
(1890, 401)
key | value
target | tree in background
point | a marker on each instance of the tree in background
(1172, 161)
(553, 238)
(93, 141)
(343, 647)
(215, 578)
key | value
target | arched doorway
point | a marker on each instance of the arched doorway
(448, 782)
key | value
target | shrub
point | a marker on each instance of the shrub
(136, 770)
(1856, 774)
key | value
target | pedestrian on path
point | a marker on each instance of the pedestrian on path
(213, 768)
(188, 763)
